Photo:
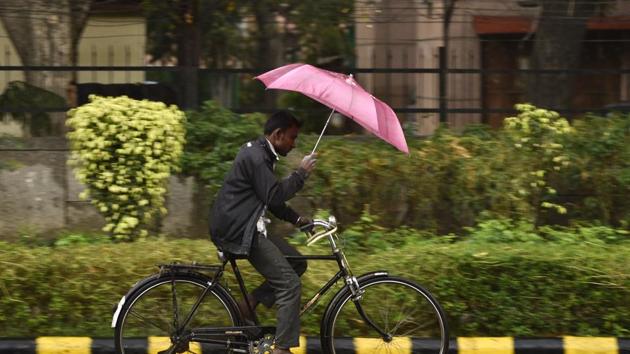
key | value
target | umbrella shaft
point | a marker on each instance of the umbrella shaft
(323, 130)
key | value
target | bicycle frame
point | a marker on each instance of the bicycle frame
(218, 335)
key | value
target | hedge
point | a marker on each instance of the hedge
(487, 289)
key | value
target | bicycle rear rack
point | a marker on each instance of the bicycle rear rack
(179, 267)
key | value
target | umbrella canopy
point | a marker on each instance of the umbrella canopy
(341, 93)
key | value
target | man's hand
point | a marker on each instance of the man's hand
(308, 162)
(304, 223)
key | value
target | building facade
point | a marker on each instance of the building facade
(482, 35)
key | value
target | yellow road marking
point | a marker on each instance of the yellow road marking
(400, 345)
(156, 344)
(63, 345)
(485, 345)
(590, 345)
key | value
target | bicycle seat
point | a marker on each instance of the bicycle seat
(226, 256)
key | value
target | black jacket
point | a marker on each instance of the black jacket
(249, 187)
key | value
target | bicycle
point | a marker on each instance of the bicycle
(184, 307)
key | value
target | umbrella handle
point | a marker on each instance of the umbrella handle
(322, 133)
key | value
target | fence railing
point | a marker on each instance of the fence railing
(233, 88)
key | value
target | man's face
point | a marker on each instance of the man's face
(284, 140)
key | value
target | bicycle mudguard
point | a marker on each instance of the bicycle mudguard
(343, 293)
(118, 307)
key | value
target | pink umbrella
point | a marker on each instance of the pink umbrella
(341, 93)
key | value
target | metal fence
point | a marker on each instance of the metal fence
(236, 89)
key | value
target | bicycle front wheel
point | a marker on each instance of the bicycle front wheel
(153, 315)
(405, 311)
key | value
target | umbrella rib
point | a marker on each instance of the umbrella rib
(383, 127)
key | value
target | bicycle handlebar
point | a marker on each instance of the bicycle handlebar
(329, 227)
(317, 222)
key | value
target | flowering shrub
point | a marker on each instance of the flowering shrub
(537, 135)
(124, 150)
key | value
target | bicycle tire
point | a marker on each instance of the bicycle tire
(146, 320)
(404, 309)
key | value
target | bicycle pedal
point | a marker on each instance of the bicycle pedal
(264, 345)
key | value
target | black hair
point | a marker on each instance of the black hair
(281, 119)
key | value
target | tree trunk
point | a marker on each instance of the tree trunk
(79, 13)
(188, 53)
(46, 33)
(268, 44)
(557, 46)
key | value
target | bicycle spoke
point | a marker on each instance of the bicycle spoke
(175, 305)
(396, 306)
(407, 332)
(385, 312)
(149, 322)
(388, 347)
(409, 318)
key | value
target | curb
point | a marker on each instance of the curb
(310, 345)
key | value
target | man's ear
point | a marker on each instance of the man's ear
(276, 134)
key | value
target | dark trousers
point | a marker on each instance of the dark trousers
(282, 284)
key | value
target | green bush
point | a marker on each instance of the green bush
(537, 169)
(503, 231)
(598, 183)
(213, 137)
(21, 97)
(78, 238)
(486, 288)
(545, 174)
(124, 150)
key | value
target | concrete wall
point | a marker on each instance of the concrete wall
(39, 195)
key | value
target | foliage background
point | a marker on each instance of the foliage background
(450, 181)
(449, 215)
(213, 137)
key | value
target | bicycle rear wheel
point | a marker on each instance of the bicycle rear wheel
(402, 309)
(153, 315)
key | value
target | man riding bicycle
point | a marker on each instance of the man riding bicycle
(237, 222)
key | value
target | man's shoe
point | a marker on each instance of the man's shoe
(281, 351)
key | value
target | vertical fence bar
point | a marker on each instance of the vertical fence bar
(442, 83)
